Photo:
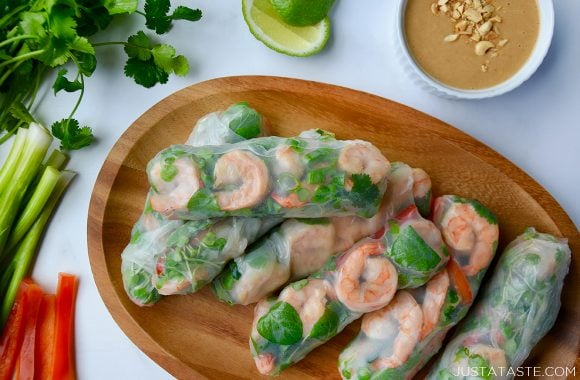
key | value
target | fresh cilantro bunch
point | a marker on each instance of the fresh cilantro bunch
(39, 36)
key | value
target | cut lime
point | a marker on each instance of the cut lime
(267, 26)
(302, 12)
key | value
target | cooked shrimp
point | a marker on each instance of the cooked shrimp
(248, 173)
(495, 357)
(366, 279)
(310, 302)
(289, 201)
(403, 316)
(363, 157)
(288, 161)
(421, 183)
(310, 245)
(176, 193)
(469, 233)
(265, 362)
(435, 293)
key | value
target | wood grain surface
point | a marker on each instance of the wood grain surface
(195, 336)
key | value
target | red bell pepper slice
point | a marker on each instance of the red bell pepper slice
(44, 354)
(64, 358)
(13, 333)
(27, 351)
(460, 281)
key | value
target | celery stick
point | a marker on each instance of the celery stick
(34, 206)
(57, 159)
(22, 261)
(12, 159)
(35, 146)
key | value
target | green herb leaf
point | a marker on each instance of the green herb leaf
(72, 136)
(145, 73)
(120, 6)
(86, 63)
(364, 192)
(203, 200)
(62, 83)
(139, 46)
(185, 13)
(19, 111)
(164, 57)
(156, 17)
(411, 251)
(326, 327)
(281, 325)
(247, 124)
(94, 16)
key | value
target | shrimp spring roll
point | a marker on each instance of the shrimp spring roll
(300, 247)
(150, 233)
(517, 308)
(309, 312)
(397, 341)
(269, 176)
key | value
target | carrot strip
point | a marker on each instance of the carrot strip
(460, 281)
(64, 358)
(45, 326)
(27, 351)
(13, 334)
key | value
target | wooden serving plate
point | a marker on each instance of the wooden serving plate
(196, 336)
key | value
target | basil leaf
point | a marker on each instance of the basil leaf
(326, 327)
(411, 251)
(281, 325)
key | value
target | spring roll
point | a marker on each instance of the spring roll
(309, 312)
(518, 307)
(300, 247)
(151, 232)
(397, 341)
(269, 176)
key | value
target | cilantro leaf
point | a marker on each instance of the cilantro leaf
(186, 13)
(145, 73)
(19, 112)
(139, 46)
(62, 83)
(164, 57)
(94, 16)
(86, 63)
(120, 6)
(72, 136)
(156, 17)
(364, 191)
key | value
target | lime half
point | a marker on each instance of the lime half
(267, 26)
(302, 12)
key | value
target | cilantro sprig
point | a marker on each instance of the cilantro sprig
(45, 35)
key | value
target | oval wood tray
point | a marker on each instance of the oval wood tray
(196, 336)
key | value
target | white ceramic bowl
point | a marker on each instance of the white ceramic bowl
(546, 9)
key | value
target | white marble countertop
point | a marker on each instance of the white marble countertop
(536, 126)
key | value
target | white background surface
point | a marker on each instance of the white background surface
(536, 126)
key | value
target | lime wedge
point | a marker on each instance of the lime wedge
(266, 25)
(302, 12)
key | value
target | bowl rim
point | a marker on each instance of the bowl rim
(539, 52)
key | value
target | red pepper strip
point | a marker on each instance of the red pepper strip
(407, 212)
(460, 281)
(13, 333)
(45, 326)
(64, 358)
(27, 351)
